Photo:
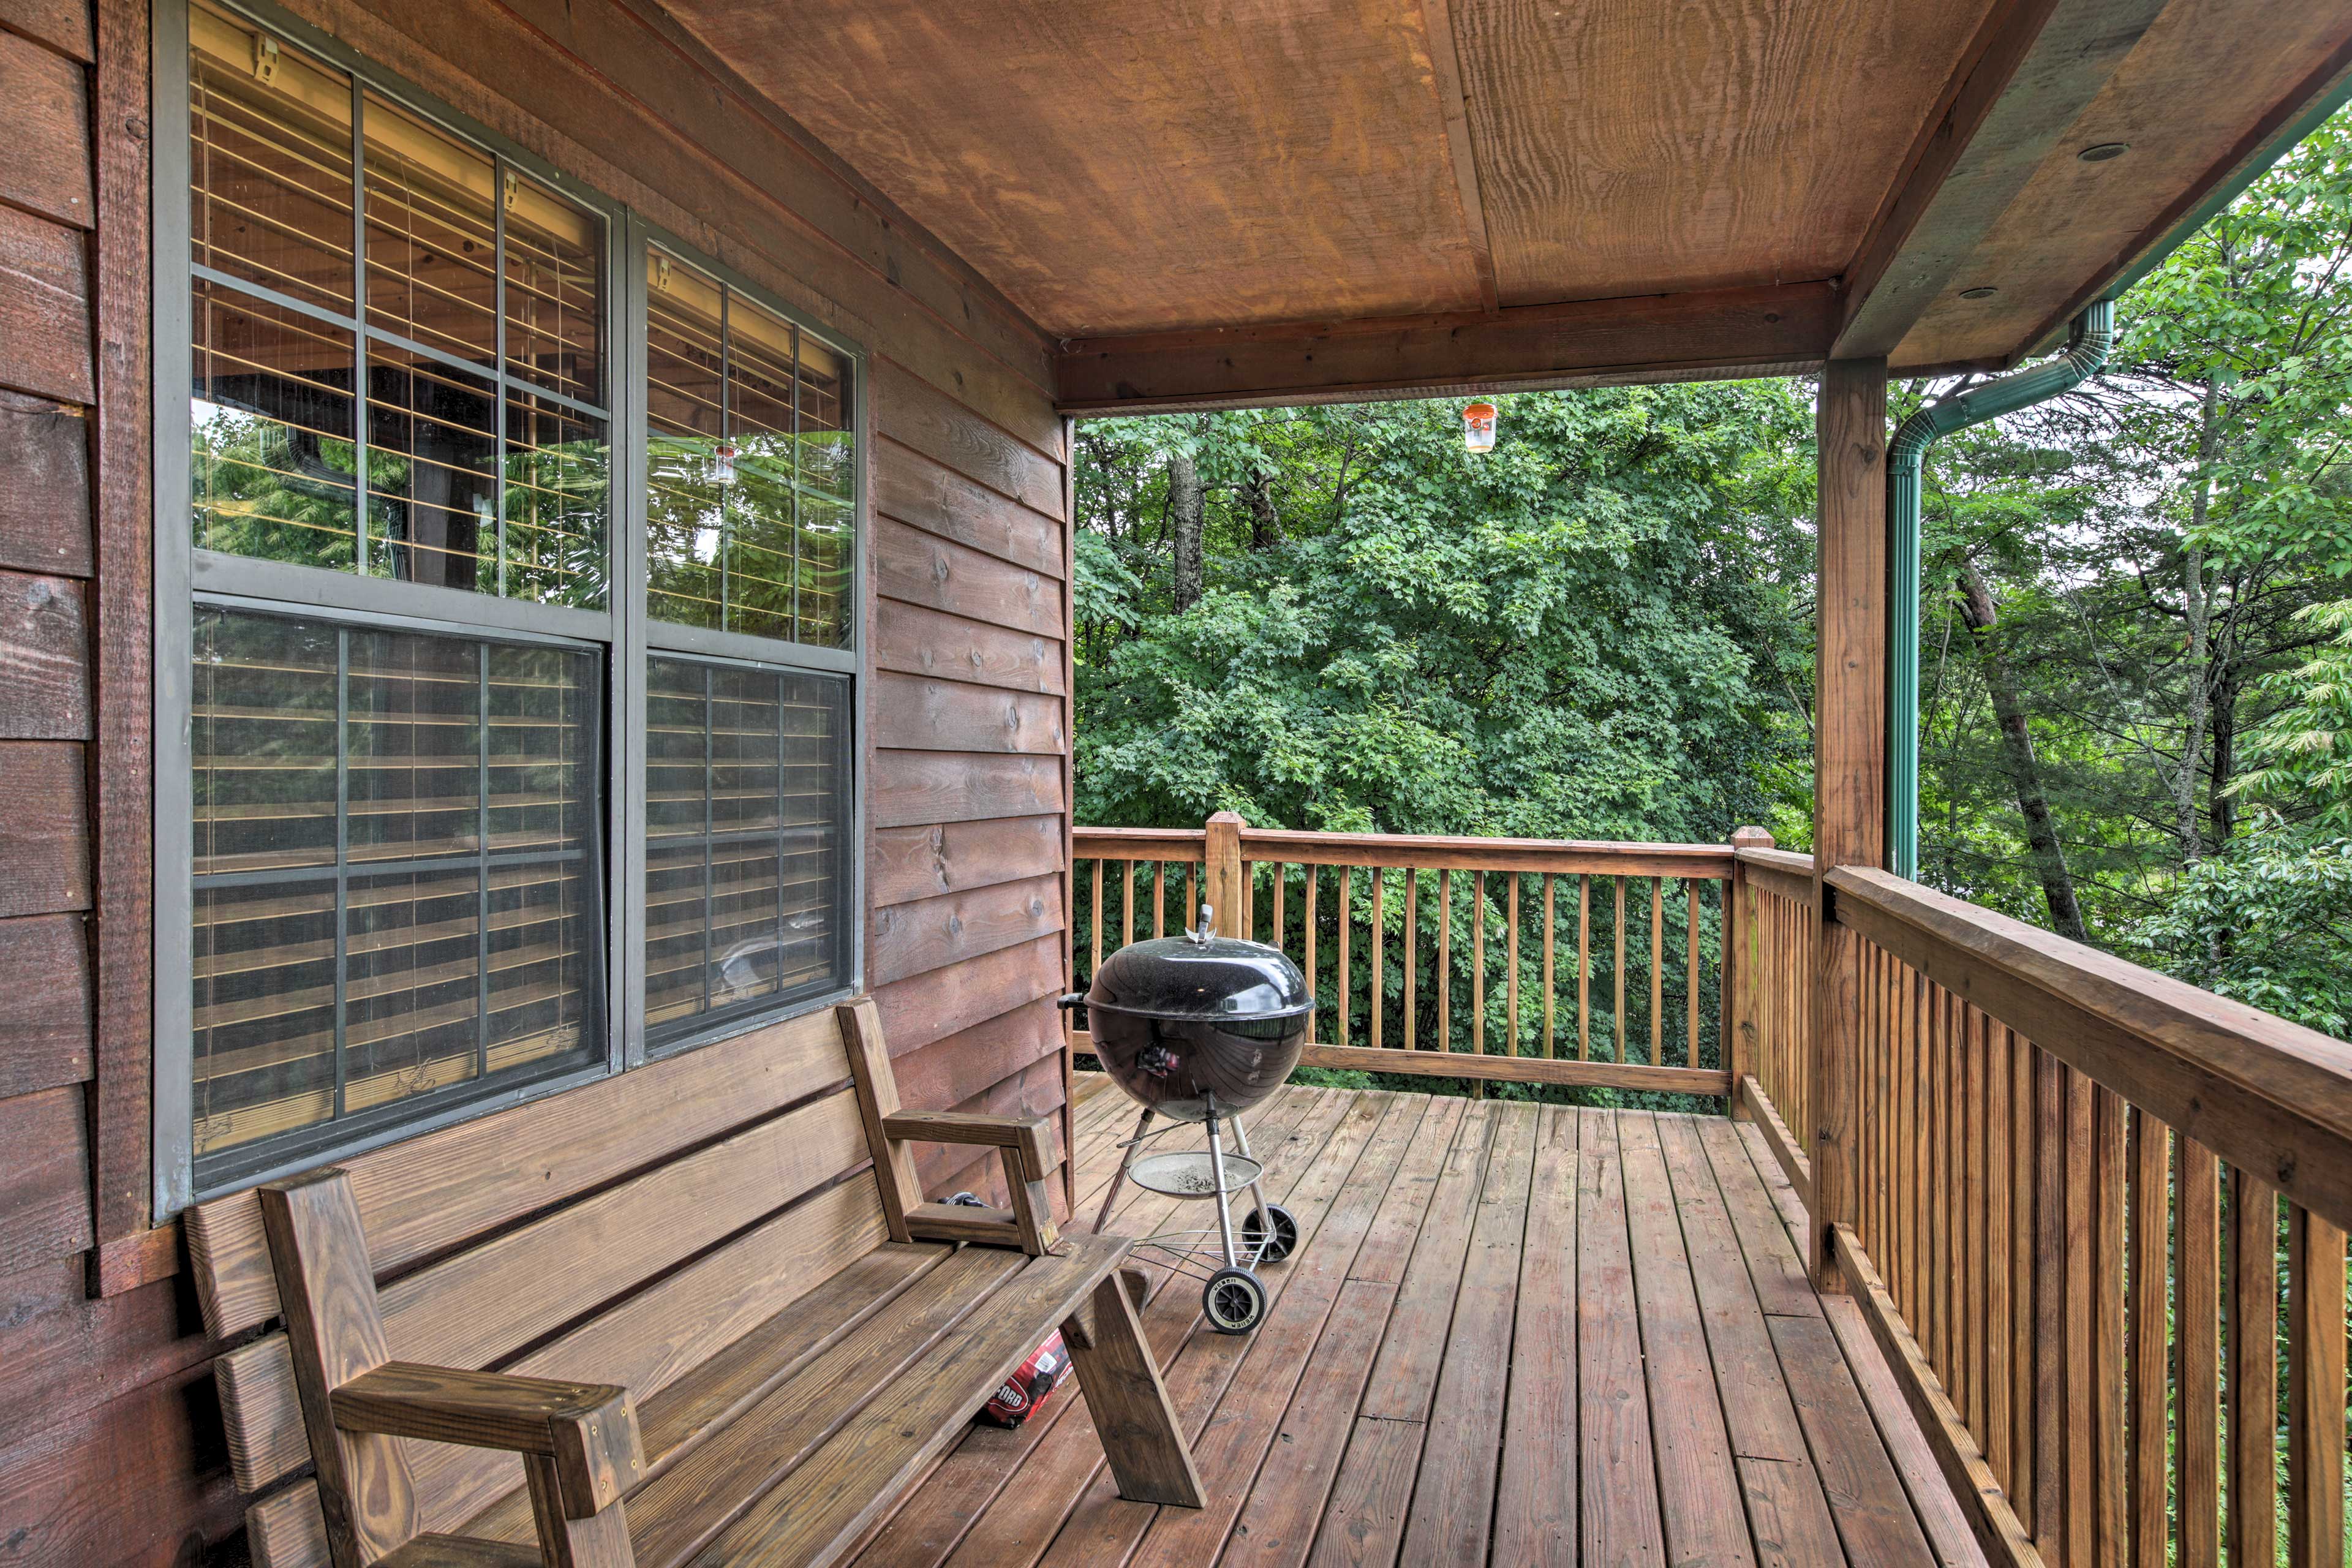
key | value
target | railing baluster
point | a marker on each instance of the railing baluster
(1281, 892)
(2108, 1337)
(2018, 1158)
(1617, 1021)
(1478, 967)
(1550, 931)
(1411, 957)
(1379, 943)
(1511, 990)
(1096, 946)
(1658, 971)
(2197, 1396)
(1160, 898)
(2253, 1369)
(1583, 967)
(1347, 997)
(2315, 1483)
(1988, 1152)
(1690, 968)
(1307, 918)
(2151, 1308)
(1445, 961)
(1126, 903)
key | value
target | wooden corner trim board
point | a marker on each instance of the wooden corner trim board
(1651, 336)
(2269, 1096)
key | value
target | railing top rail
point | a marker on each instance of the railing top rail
(1436, 852)
(2272, 1098)
(1138, 843)
(1778, 859)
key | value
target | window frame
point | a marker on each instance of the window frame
(625, 635)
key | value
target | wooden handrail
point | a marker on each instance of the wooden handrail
(1361, 909)
(2268, 1096)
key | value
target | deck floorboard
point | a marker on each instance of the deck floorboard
(1514, 1334)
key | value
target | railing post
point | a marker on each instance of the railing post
(1849, 767)
(1223, 875)
(1741, 964)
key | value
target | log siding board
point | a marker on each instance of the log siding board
(59, 25)
(45, 1032)
(44, 850)
(48, 171)
(45, 311)
(45, 663)
(45, 505)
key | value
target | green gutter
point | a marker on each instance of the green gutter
(2086, 350)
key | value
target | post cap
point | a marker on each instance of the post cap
(1751, 839)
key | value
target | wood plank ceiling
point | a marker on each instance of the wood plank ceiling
(1134, 173)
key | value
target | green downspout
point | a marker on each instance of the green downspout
(2086, 350)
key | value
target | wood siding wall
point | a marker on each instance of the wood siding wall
(109, 1441)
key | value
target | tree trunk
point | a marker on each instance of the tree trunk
(2220, 805)
(1184, 514)
(1983, 618)
(2197, 606)
(1265, 523)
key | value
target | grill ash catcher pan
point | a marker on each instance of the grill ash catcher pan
(1197, 1029)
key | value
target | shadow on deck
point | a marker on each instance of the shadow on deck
(1513, 1334)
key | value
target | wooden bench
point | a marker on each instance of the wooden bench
(695, 1313)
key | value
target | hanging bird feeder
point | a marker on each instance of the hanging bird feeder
(1478, 427)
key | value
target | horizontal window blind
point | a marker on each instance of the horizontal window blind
(747, 818)
(397, 879)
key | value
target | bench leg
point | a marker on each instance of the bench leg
(599, 1540)
(1140, 1434)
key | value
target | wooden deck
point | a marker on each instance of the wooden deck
(1513, 1334)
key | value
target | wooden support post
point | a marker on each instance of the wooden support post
(1221, 880)
(1849, 767)
(1741, 963)
(1142, 1437)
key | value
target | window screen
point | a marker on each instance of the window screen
(751, 462)
(397, 886)
(461, 308)
(746, 840)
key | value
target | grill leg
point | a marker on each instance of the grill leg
(1225, 1202)
(1257, 1194)
(1119, 1177)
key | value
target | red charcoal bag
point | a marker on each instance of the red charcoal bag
(1031, 1386)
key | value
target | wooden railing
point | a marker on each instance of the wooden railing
(1775, 916)
(2091, 1213)
(1533, 960)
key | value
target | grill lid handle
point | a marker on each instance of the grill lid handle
(1206, 931)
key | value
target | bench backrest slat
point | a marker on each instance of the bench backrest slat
(439, 1191)
(478, 1307)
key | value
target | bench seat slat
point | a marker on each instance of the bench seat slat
(479, 1306)
(710, 1471)
(826, 1505)
(438, 1191)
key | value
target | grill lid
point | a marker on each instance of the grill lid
(1198, 975)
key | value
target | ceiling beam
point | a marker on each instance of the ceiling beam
(1453, 107)
(2031, 70)
(1715, 335)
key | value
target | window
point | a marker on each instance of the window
(395, 869)
(749, 462)
(744, 769)
(476, 649)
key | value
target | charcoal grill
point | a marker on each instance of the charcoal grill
(1197, 1029)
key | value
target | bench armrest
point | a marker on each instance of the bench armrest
(587, 1431)
(1031, 1136)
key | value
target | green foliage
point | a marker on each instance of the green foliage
(2302, 752)
(2269, 922)
(1569, 638)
